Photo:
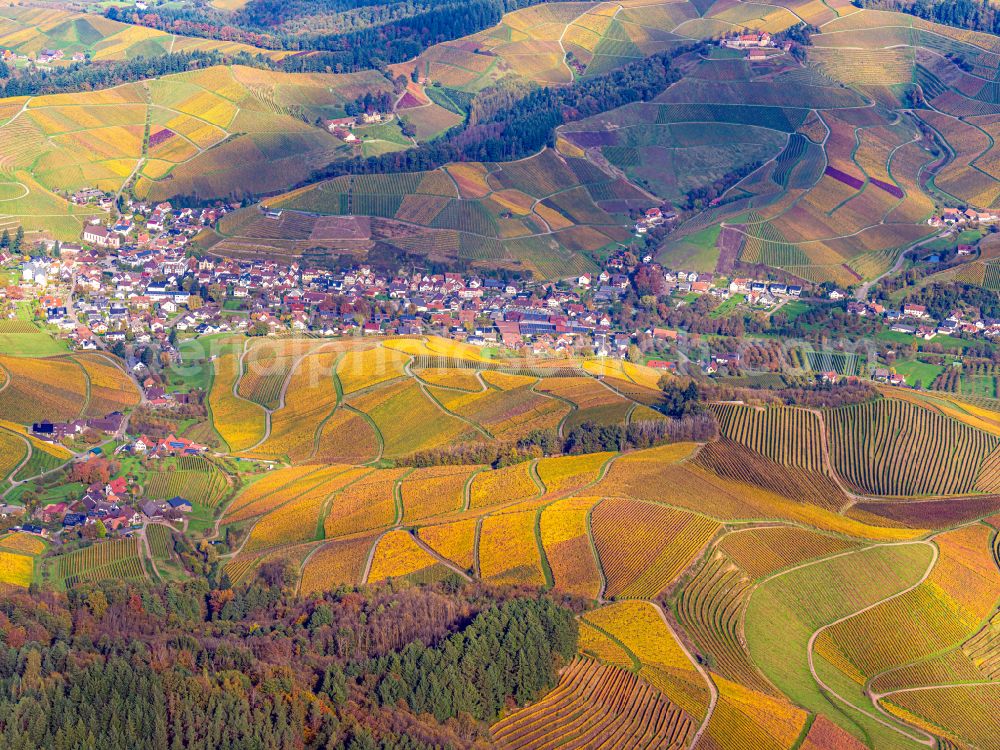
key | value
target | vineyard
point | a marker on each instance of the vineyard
(455, 540)
(508, 550)
(643, 547)
(891, 447)
(338, 563)
(398, 555)
(548, 215)
(109, 388)
(39, 389)
(111, 560)
(368, 503)
(194, 478)
(309, 401)
(16, 569)
(621, 708)
(742, 539)
(239, 422)
(563, 527)
(161, 541)
(27, 544)
(432, 492)
(13, 450)
(790, 437)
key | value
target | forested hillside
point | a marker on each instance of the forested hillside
(188, 665)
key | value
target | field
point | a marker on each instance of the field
(270, 491)
(24, 543)
(509, 484)
(762, 561)
(848, 584)
(109, 388)
(548, 214)
(952, 603)
(300, 516)
(22, 338)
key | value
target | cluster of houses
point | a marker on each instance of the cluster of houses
(653, 217)
(168, 446)
(112, 504)
(150, 225)
(93, 196)
(44, 57)
(143, 293)
(914, 320)
(343, 127)
(48, 56)
(58, 432)
(747, 40)
(958, 216)
(885, 375)
(764, 293)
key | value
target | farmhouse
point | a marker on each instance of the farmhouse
(180, 504)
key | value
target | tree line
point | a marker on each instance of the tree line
(685, 420)
(976, 15)
(91, 76)
(347, 36)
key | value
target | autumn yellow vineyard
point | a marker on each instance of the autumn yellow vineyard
(682, 562)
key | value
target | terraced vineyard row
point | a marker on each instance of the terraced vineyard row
(890, 447)
(788, 436)
(622, 711)
(114, 560)
(195, 479)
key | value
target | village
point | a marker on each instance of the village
(135, 287)
(137, 282)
